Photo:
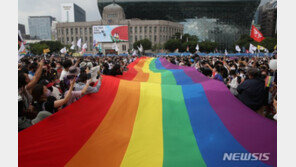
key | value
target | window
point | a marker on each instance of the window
(140, 37)
(160, 29)
(80, 30)
(136, 38)
(76, 30)
(113, 15)
(90, 30)
(90, 39)
(85, 39)
(155, 29)
(76, 38)
(71, 31)
(150, 29)
(155, 38)
(123, 47)
(85, 31)
(67, 31)
(145, 29)
(71, 39)
(67, 40)
(131, 29)
(136, 29)
(140, 29)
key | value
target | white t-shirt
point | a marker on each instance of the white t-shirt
(63, 74)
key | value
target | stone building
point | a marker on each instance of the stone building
(157, 31)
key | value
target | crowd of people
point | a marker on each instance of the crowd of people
(48, 84)
(252, 80)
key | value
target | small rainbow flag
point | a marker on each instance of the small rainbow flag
(156, 114)
(268, 81)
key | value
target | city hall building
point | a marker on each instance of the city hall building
(222, 21)
(157, 31)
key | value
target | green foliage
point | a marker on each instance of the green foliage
(54, 46)
(146, 43)
(268, 42)
(37, 48)
(173, 44)
(207, 46)
(156, 47)
(191, 44)
(188, 37)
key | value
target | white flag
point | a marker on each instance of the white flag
(73, 46)
(79, 43)
(142, 49)
(63, 50)
(115, 47)
(266, 50)
(197, 47)
(237, 48)
(84, 46)
(134, 53)
(226, 53)
(252, 48)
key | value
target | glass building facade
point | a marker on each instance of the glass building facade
(222, 21)
(40, 27)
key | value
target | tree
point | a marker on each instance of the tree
(172, 44)
(190, 44)
(146, 43)
(208, 46)
(268, 42)
(54, 46)
(37, 48)
(156, 47)
(188, 37)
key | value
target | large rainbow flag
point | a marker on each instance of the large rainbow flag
(156, 114)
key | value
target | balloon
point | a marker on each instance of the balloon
(273, 64)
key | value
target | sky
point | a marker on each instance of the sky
(53, 8)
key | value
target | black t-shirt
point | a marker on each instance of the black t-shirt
(252, 93)
(48, 105)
